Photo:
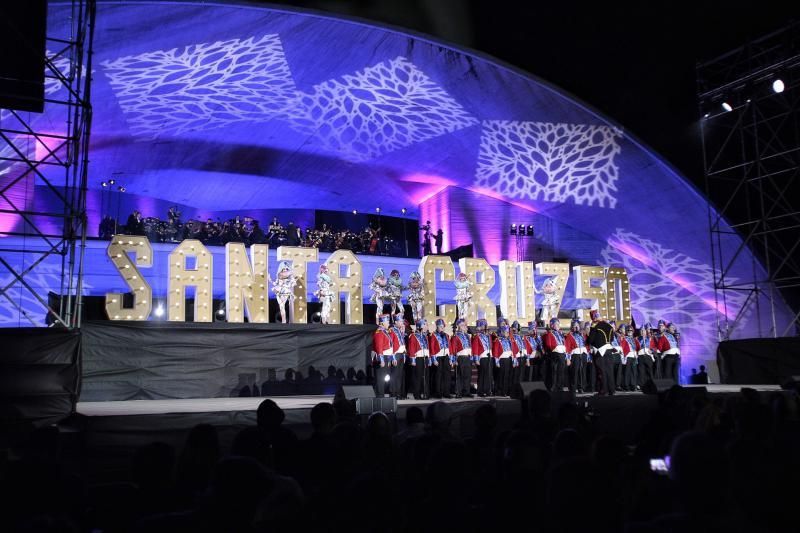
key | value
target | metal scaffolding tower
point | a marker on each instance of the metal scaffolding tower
(49, 152)
(750, 106)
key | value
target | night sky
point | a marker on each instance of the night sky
(635, 62)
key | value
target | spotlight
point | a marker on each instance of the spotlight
(521, 229)
(377, 209)
(530, 230)
(727, 107)
(386, 378)
(355, 212)
(159, 310)
(220, 313)
(513, 229)
(403, 210)
(316, 318)
(104, 184)
(121, 188)
(111, 182)
(778, 86)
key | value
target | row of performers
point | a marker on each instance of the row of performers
(592, 357)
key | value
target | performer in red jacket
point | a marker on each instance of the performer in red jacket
(645, 359)
(533, 351)
(418, 355)
(670, 351)
(556, 356)
(439, 344)
(461, 349)
(482, 355)
(382, 354)
(398, 370)
(504, 349)
(575, 348)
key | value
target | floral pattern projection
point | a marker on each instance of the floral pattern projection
(550, 162)
(378, 110)
(203, 86)
(667, 284)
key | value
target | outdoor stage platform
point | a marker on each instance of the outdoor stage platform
(111, 428)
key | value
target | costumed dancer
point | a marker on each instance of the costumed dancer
(601, 335)
(461, 348)
(283, 287)
(532, 371)
(397, 374)
(416, 295)
(396, 289)
(504, 349)
(419, 356)
(575, 346)
(482, 356)
(617, 355)
(463, 295)
(628, 360)
(324, 293)
(439, 344)
(557, 356)
(518, 363)
(550, 301)
(590, 368)
(380, 292)
(382, 354)
(670, 352)
(645, 345)
(658, 365)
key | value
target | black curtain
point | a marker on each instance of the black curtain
(758, 361)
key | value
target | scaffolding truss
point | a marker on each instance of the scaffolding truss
(751, 154)
(47, 153)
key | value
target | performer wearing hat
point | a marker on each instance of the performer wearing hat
(671, 353)
(398, 370)
(382, 354)
(283, 287)
(504, 349)
(396, 288)
(550, 301)
(419, 357)
(324, 293)
(629, 370)
(590, 368)
(439, 344)
(416, 295)
(575, 346)
(601, 335)
(380, 292)
(461, 348)
(518, 362)
(532, 371)
(645, 344)
(617, 355)
(482, 355)
(557, 356)
(463, 295)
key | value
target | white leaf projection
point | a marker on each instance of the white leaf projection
(667, 284)
(551, 162)
(203, 86)
(377, 110)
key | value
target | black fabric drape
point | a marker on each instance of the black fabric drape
(758, 361)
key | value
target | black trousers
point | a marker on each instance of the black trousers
(671, 367)
(464, 375)
(605, 373)
(443, 376)
(645, 369)
(381, 372)
(485, 375)
(658, 367)
(617, 358)
(590, 375)
(575, 373)
(537, 368)
(418, 374)
(503, 383)
(629, 374)
(555, 378)
(397, 382)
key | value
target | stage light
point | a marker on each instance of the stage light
(355, 212)
(513, 229)
(727, 107)
(316, 318)
(530, 230)
(111, 182)
(159, 312)
(522, 229)
(104, 184)
(778, 86)
(386, 378)
(377, 209)
(121, 188)
(403, 210)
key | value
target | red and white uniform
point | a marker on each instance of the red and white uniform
(438, 349)
(646, 346)
(628, 347)
(382, 343)
(398, 341)
(458, 347)
(415, 347)
(499, 352)
(573, 345)
(554, 342)
(531, 346)
(667, 344)
(481, 345)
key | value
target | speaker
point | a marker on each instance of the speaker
(367, 406)
(656, 386)
(522, 389)
(790, 383)
(22, 53)
(352, 392)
